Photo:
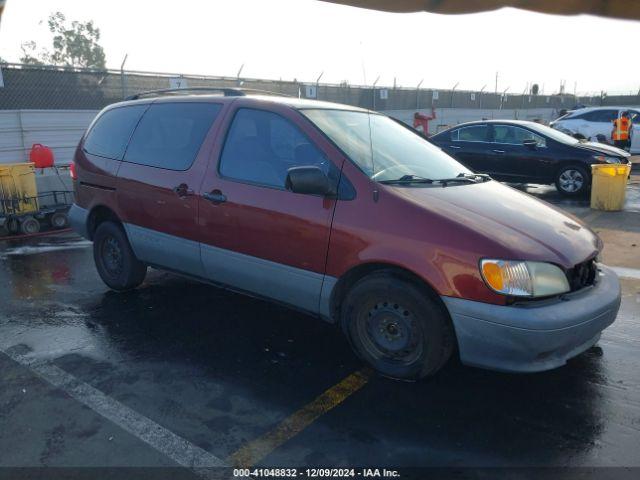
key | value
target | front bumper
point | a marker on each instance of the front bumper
(536, 336)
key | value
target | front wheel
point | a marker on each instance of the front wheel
(396, 327)
(116, 263)
(573, 181)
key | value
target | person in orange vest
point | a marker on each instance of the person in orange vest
(621, 134)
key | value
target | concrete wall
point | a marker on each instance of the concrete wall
(59, 129)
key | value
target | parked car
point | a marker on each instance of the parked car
(342, 213)
(593, 121)
(527, 152)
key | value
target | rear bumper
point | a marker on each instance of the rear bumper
(533, 338)
(78, 217)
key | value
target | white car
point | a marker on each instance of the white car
(593, 121)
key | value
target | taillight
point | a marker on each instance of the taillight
(72, 171)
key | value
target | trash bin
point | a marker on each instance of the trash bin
(609, 186)
(18, 193)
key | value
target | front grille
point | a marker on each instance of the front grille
(582, 275)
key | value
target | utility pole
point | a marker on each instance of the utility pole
(497, 83)
(418, 94)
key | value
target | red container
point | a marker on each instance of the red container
(41, 156)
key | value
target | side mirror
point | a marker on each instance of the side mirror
(530, 143)
(309, 180)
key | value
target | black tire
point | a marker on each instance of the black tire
(573, 180)
(29, 225)
(116, 263)
(397, 327)
(59, 220)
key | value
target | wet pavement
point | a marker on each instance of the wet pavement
(218, 371)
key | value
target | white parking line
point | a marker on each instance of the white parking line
(625, 272)
(181, 451)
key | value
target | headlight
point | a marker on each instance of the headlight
(605, 159)
(523, 279)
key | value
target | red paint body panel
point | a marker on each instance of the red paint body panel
(277, 225)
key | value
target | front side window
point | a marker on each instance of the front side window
(110, 134)
(170, 134)
(381, 148)
(475, 133)
(262, 146)
(508, 134)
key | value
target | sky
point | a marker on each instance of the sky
(300, 39)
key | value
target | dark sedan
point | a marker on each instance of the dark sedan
(527, 152)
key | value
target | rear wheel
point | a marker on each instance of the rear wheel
(116, 263)
(573, 180)
(396, 327)
(29, 225)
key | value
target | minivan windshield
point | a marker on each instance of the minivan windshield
(383, 149)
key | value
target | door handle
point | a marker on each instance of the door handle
(216, 196)
(182, 190)
(498, 151)
(455, 147)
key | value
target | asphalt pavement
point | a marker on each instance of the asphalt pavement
(177, 377)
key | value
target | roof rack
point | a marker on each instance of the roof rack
(227, 92)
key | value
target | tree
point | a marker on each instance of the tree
(29, 55)
(75, 44)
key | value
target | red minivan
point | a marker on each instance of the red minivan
(346, 214)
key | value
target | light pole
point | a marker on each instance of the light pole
(453, 90)
(238, 81)
(124, 92)
(503, 96)
(418, 94)
(318, 85)
(374, 92)
(480, 97)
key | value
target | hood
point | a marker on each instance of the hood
(603, 149)
(520, 226)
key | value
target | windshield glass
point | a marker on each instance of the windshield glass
(382, 148)
(554, 134)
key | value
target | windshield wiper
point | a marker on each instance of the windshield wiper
(407, 179)
(446, 181)
(461, 178)
(476, 176)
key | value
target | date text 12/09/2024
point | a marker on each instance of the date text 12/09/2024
(315, 473)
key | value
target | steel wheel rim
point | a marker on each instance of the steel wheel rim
(571, 180)
(389, 331)
(112, 257)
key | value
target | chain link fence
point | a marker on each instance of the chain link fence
(49, 87)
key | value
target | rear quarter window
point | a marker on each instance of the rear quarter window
(112, 130)
(170, 135)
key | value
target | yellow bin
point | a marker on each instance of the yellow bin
(609, 186)
(18, 192)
